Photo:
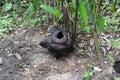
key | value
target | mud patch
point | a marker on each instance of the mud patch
(23, 59)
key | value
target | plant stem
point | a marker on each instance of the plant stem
(95, 33)
(95, 36)
(57, 4)
(74, 34)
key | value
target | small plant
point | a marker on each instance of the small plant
(80, 51)
(115, 42)
(15, 14)
(5, 25)
(111, 58)
(89, 72)
(52, 11)
(118, 78)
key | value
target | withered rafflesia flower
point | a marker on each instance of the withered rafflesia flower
(59, 43)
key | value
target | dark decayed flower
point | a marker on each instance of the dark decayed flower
(59, 43)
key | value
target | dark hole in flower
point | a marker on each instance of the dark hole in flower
(60, 35)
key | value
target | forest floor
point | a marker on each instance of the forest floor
(21, 58)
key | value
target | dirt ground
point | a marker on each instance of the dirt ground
(21, 58)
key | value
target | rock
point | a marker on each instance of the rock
(91, 41)
(63, 76)
(1, 60)
(59, 43)
(104, 52)
(97, 69)
(18, 56)
(29, 74)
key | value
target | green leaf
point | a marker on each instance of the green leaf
(1, 34)
(84, 27)
(91, 73)
(57, 14)
(73, 1)
(118, 78)
(42, 1)
(111, 59)
(35, 5)
(81, 25)
(7, 7)
(115, 42)
(60, 16)
(87, 29)
(90, 13)
(100, 23)
(48, 9)
(83, 13)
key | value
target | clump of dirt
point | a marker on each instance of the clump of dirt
(21, 58)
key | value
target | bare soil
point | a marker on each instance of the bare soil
(21, 58)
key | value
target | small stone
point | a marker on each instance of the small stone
(109, 46)
(82, 66)
(81, 44)
(91, 41)
(97, 69)
(79, 61)
(1, 60)
(55, 67)
(28, 49)
(103, 51)
(9, 55)
(18, 56)
(105, 62)
(1, 69)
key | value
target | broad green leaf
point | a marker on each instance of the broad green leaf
(90, 13)
(117, 43)
(81, 25)
(84, 27)
(100, 23)
(87, 29)
(73, 1)
(57, 14)
(48, 9)
(42, 1)
(73, 10)
(114, 5)
(35, 5)
(83, 13)
(60, 16)
(7, 7)
(91, 73)
(117, 40)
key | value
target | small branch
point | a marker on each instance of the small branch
(95, 36)
(75, 26)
